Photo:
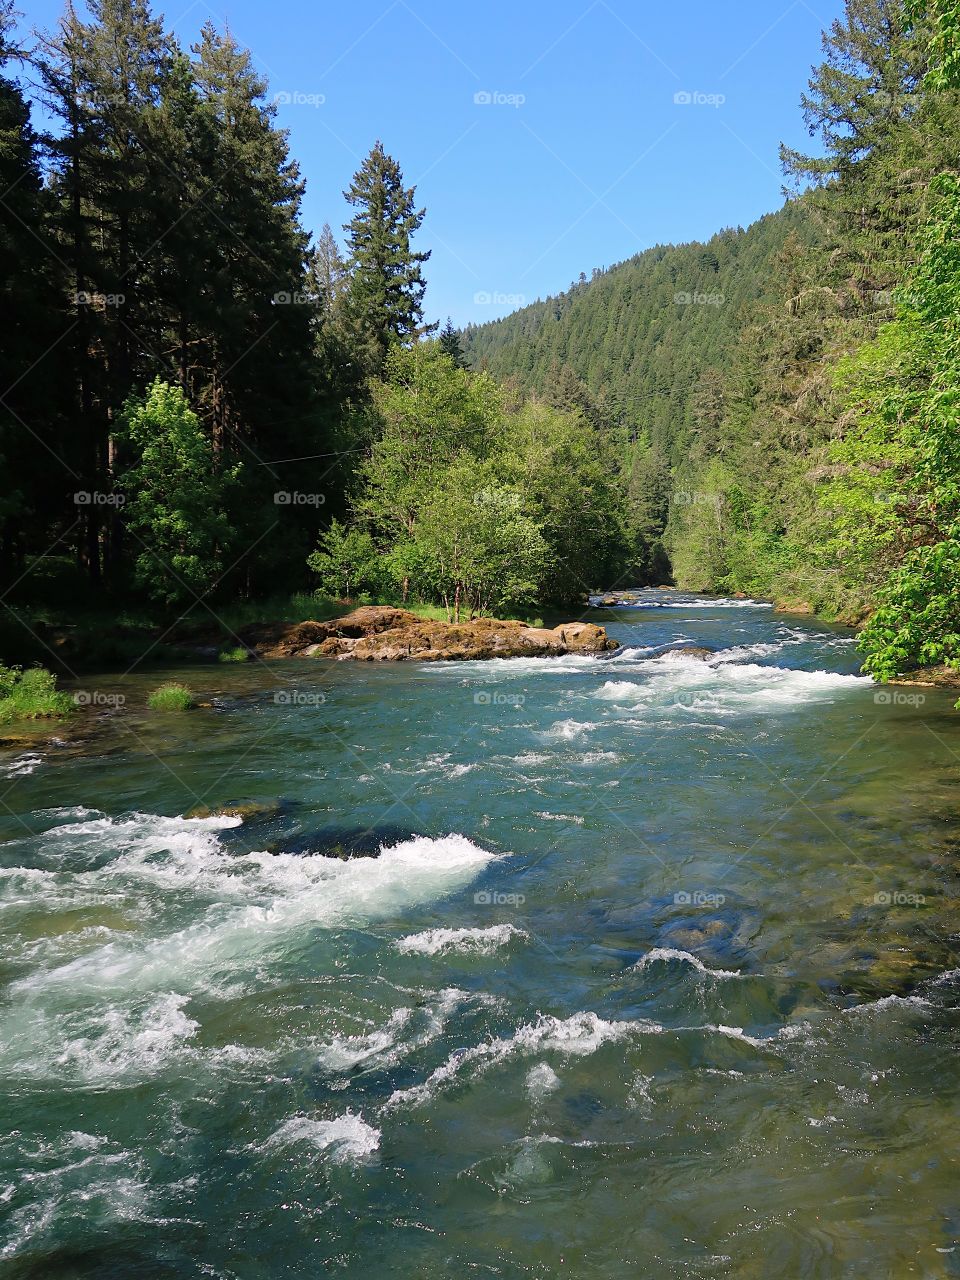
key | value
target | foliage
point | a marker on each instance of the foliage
(468, 502)
(346, 560)
(176, 506)
(943, 18)
(905, 456)
(31, 695)
(236, 654)
(474, 543)
(449, 340)
(386, 287)
(171, 697)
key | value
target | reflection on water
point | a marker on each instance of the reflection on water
(639, 966)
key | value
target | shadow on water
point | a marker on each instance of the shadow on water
(93, 1263)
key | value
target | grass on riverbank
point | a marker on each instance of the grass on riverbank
(237, 654)
(31, 695)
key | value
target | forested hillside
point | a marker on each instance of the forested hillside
(799, 466)
(648, 335)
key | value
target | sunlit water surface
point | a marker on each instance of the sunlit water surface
(655, 974)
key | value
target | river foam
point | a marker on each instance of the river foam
(347, 1139)
(483, 942)
(678, 681)
(668, 955)
(255, 899)
(577, 1036)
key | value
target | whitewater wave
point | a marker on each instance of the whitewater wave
(348, 1139)
(21, 766)
(580, 1035)
(737, 652)
(885, 1003)
(700, 603)
(567, 730)
(440, 763)
(257, 899)
(685, 683)
(541, 1081)
(484, 942)
(165, 853)
(495, 668)
(405, 1030)
(113, 1045)
(577, 1036)
(666, 955)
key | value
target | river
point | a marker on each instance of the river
(654, 974)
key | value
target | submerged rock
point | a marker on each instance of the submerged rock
(246, 810)
(689, 651)
(377, 633)
(343, 842)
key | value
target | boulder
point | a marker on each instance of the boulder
(689, 651)
(377, 633)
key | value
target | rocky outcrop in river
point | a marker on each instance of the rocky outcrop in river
(379, 633)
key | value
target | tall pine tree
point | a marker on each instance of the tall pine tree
(36, 455)
(449, 339)
(385, 299)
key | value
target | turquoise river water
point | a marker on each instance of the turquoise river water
(642, 966)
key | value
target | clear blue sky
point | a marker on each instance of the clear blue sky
(582, 159)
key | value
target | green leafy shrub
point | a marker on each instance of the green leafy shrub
(177, 495)
(171, 697)
(31, 695)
